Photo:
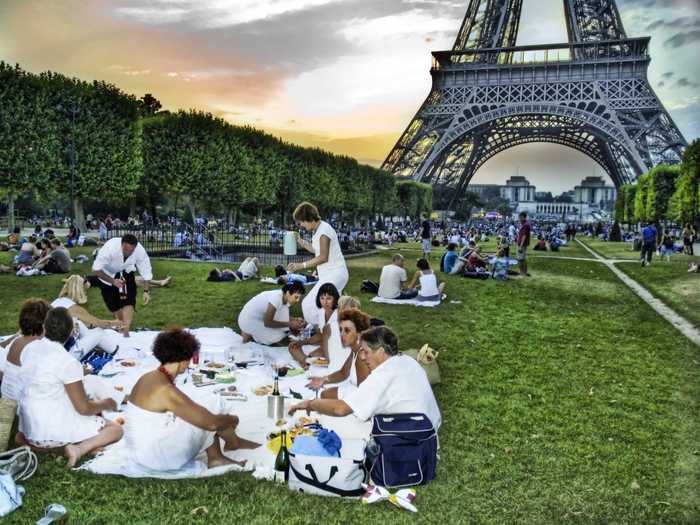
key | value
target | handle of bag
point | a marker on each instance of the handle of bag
(20, 463)
(314, 482)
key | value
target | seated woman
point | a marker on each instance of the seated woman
(54, 409)
(265, 318)
(499, 268)
(284, 277)
(164, 428)
(426, 278)
(397, 384)
(31, 328)
(541, 245)
(354, 371)
(28, 253)
(327, 303)
(57, 261)
(450, 258)
(476, 259)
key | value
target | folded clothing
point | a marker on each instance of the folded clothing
(326, 444)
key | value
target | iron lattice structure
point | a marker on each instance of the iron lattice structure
(488, 95)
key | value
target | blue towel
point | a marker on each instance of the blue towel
(325, 444)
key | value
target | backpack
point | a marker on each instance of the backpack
(369, 287)
(404, 450)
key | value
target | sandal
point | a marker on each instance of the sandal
(54, 512)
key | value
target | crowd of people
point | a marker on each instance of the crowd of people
(61, 405)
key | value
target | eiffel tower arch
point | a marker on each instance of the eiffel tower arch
(590, 93)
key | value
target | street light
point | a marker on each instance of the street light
(72, 109)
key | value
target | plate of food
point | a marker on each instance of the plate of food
(264, 390)
(225, 377)
(320, 361)
(215, 365)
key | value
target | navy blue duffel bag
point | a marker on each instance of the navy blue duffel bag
(404, 450)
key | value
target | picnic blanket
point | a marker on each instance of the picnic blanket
(252, 412)
(414, 302)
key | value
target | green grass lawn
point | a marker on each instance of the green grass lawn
(565, 399)
(669, 281)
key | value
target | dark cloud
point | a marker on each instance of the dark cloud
(661, 84)
(668, 74)
(684, 82)
(681, 39)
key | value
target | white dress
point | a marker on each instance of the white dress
(162, 441)
(333, 271)
(251, 318)
(86, 339)
(337, 353)
(11, 387)
(350, 384)
(47, 416)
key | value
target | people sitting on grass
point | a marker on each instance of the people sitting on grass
(426, 280)
(265, 318)
(476, 261)
(15, 238)
(28, 254)
(393, 279)
(397, 384)
(73, 236)
(354, 371)
(57, 261)
(327, 303)
(450, 258)
(499, 267)
(31, 329)
(541, 245)
(165, 429)
(54, 409)
(284, 277)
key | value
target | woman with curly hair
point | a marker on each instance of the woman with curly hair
(165, 429)
(353, 372)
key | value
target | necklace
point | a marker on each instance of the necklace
(167, 374)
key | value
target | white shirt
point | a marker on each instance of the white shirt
(336, 260)
(428, 285)
(398, 386)
(390, 281)
(110, 260)
(256, 308)
(62, 302)
(248, 269)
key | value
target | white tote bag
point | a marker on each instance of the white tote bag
(330, 476)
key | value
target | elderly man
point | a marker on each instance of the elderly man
(392, 278)
(397, 384)
(114, 266)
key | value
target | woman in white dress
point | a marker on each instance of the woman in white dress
(265, 318)
(328, 257)
(427, 282)
(31, 329)
(54, 409)
(326, 330)
(164, 428)
(354, 371)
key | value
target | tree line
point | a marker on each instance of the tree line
(90, 141)
(664, 193)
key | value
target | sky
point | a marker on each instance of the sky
(344, 75)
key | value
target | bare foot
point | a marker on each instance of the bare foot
(241, 444)
(167, 281)
(73, 454)
(223, 460)
(21, 439)
(247, 338)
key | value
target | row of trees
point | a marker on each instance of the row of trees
(93, 142)
(665, 193)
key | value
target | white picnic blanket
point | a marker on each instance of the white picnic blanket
(254, 425)
(414, 302)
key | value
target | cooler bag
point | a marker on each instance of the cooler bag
(330, 476)
(405, 450)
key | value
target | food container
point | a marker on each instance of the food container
(275, 407)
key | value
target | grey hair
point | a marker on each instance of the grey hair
(381, 337)
(397, 257)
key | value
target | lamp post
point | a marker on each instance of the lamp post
(72, 109)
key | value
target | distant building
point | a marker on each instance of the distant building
(481, 189)
(594, 191)
(518, 189)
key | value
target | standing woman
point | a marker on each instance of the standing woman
(328, 258)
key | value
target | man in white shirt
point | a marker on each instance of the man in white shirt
(397, 384)
(392, 278)
(115, 267)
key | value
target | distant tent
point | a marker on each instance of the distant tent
(493, 215)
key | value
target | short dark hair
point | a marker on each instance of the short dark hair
(306, 212)
(423, 264)
(214, 275)
(280, 270)
(451, 246)
(58, 325)
(293, 287)
(174, 345)
(328, 289)
(32, 315)
(130, 238)
(55, 242)
(357, 317)
(523, 214)
(381, 337)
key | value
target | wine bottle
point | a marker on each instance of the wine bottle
(282, 459)
(276, 389)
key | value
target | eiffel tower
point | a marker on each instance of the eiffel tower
(488, 95)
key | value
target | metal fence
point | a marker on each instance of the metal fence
(221, 243)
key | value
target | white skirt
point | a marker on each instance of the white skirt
(162, 441)
(261, 333)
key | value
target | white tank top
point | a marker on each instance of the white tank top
(428, 285)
